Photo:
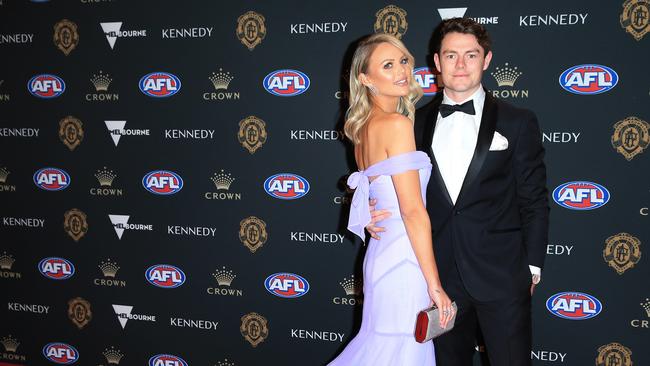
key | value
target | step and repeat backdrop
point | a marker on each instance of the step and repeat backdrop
(171, 175)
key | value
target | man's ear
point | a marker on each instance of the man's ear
(486, 62)
(436, 60)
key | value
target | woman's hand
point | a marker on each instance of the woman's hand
(439, 297)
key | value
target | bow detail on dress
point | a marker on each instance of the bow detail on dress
(360, 207)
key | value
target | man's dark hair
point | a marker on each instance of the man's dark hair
(464, 26)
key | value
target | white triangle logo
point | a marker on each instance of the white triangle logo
(119, 223)
(448, 13)
(123, 312)
(111, 30)
(116, 129)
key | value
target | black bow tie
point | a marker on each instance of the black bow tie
(448, 109)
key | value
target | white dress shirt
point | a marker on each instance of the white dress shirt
(453, 144)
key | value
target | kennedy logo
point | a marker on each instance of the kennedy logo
(325, 27)
(191, 323)
(121, 223)
(622, 251)
(317, 135)
(177, 134)
(200, 231)
(113, 31)
(79, 312)
(109, 270)
(325, 336)
(251, 29)
(252, 133)
(101, 83)
(391, 20)
(550, 356)
(635, 18)
(66, 36)
(113, 356)
(75, 224)
(561, 137)
(16, 38)
(195, 32)
(124, 314)
(224, 279)
(105, 177)
(559, 249)
(506, 77)
(28, 308)
(448, 13)
(4, 173)
(254, 328)
(222, 182)
(565, 19)
(6, 263)
(305, 237)
(117, 130)
(23, 222)
(10, 345)
(19, 132)
(252, 233)
(631, 137)
(221, 82)
(353, 292)
(71, 132)
(614, 354)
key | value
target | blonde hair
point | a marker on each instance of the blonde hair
(360, 101)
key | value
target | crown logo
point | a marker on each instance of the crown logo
(221, 79)
(3, 175)
(11, 344)
(646, 306)
(224, 277)
(105, 177)
(225, 363)
(109, 268)
(101, 81)
(222, 180)
(113, 356)
(351, 286)
(6, 261)
(506, 76)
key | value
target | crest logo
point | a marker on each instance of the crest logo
(79, 312)
(622, 252)
(61, 353)
(51, 179)
(166, 360)
(160, 84)
(66, 37)
(614, 354)
(635, 18)
(251, 29)
(252, 133)
(75, 224)
(70, 132)
(574, 305)
(286, 83)
(46, 86)
(581, 195)
(287, 285)
(588, 79)
(252, 233)
(631, 137)
(254, 328)
(426, 79)
(391, 20)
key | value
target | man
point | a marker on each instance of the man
(487, 200)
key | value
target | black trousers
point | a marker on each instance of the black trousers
(505, 324)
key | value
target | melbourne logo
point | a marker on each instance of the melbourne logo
(46, 86)
(112, 30)
(252, 133)
(251, 29)
(56, 268)
(165, 276)
(574, 305)
(631, 137)
(51, 179)
(391, 20)
(71, 132)
(588, 79)
(426, 79)
(286, 186)
(622, 251)
(252, 233)
(635, 18)
(581, 195)
(121, 223)
(124, 314)
(61, 353)
(66, 37)
(254, 328)
(287, 285)
(166, 360)
(160, 84)
(286, 83)
(162, 182)
(614, 354)
(117, 130)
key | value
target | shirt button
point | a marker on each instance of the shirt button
(457, 212)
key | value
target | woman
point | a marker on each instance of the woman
(400, 273)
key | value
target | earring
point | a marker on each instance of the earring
(373, 89)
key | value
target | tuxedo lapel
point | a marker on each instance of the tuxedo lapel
(485, 134)
(430, 127)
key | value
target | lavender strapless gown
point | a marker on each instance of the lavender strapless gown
(393, 285)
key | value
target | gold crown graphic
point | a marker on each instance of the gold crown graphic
(351, 286)
(225, 363)
(11, 344)
(6, 261)
(506, 76)
(101, 81)
(224, 277)
(222, 181)
(105, 177)
(646, 306)
(113, 356)
(3, 175)
(221, 80)
(109, 268)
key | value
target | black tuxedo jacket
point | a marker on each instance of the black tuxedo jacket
(499, 224)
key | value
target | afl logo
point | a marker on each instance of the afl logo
(574, 305)
(166, 360)
(56, 268)
(286, 186)
(581, 195)
(165, 276)
(160, 84)
(286, 83)
(426, 79)
(287, 285)
(61, 353)
(46, 86)
(163, 182)
(588, 79)
(51, 179)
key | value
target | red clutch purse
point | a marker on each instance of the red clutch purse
(427, 324)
